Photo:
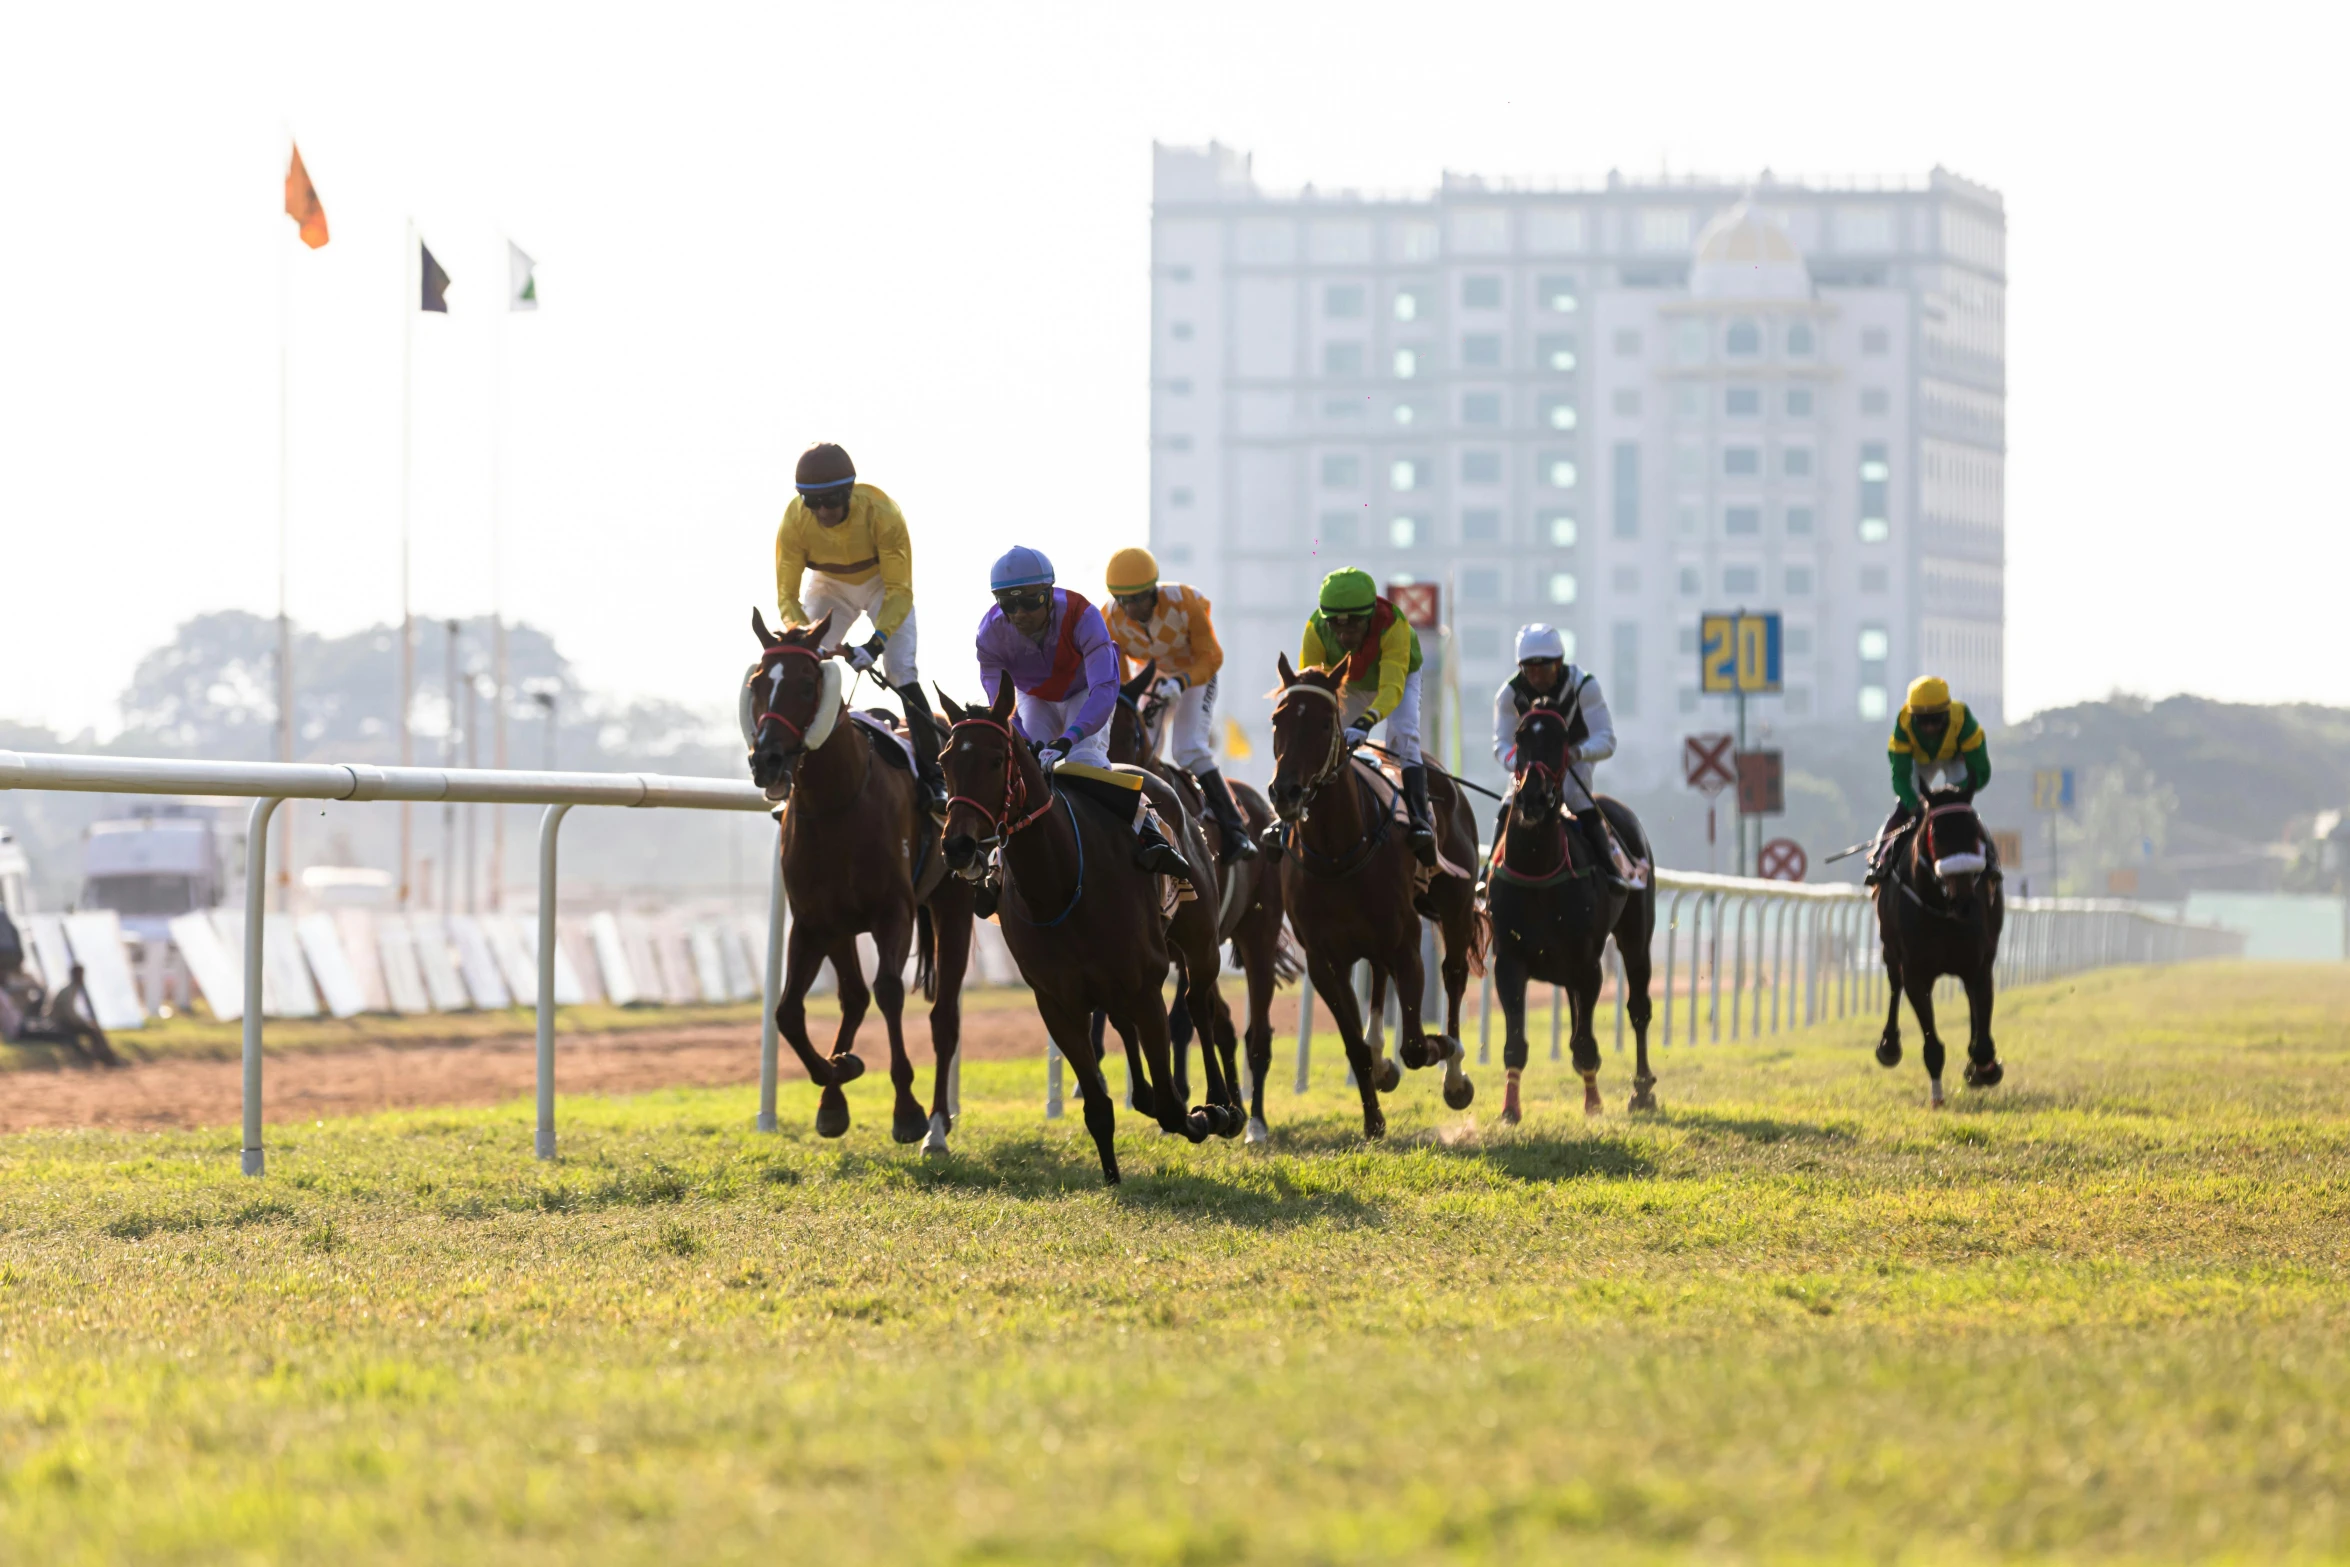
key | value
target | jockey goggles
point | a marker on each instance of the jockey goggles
(1019, 599)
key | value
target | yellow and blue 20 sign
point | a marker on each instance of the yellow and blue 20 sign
(1738, 653)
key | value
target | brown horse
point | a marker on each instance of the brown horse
(1082, 922)
(1939, 912)
(1249, 906)
(1552, 911)
(1350, 882)
(860, 856)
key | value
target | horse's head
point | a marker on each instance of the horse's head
(1309, 740)
(1541, 740)
(986, 779)
(1950, 842)
(790, 703)
(1130, 726)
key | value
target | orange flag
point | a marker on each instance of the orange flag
(302, 203)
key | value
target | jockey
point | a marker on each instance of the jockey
(1936, 744)
(850, 539)
(1052, 645)
(1353, 627)
(1544, 674)
(1167, 621)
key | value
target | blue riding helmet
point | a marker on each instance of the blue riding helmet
(1020, 567)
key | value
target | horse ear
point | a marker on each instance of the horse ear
(767, 638)
(819, 631)
(1281, 663)
(1142, 681)
(1001, 708)
(953, 712)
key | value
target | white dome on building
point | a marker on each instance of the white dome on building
(1742, 254)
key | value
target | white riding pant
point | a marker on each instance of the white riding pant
(1402, 726)
(1191, 729)
(845, 601)
(1043, 720)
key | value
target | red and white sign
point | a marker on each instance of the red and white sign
(1415, 602)
(1705, 763)
(1782, 859)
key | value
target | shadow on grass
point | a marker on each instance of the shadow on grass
(1562, 1159)
(1759, 1128)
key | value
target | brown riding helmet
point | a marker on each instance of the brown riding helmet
(824, 466)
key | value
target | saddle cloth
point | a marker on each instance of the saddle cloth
(1389, 788)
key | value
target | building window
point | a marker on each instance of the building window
(1179, 274)
(1178, 554)
(1740, 580)
(1743, 340)
(1875, 401)
(1407, 413)
(1623, 676)
(1407, 363)
(1743, 402)
(1664, 228)
(1555, 352)
(1742, 519)
(1481, 408)
(1689, 699)
(1181, 331)
(1562, 587)
(1799, 701)
(1689, 342)
(1689, 404)
(1874, 646)
(1742, 461)
(1179, 497)
(1874, 579)
(1876, 489)
(1339, 530)
(1344, 407)
(1481, 350)
(1626, 403)
(1872, 702)
(1558, 472)
(1406, 473)
(1342, 361)
(1798, 581)
(1343, 301)
(1691, 582)
(1689, 461)
(1481, 642)
(1800, 342)
(1481, 585)
(1179, 443)
(1481, 293)
(1481, 525)
(1179, 387)
(1407, 304)
(1874, 340)
(1559, 528)
(1341, 472)
(1799, 402)
(1628, 343)
(1799, 641)
(1685, 640)
(1799, 519)
(1795, 462)
(1625, 579)
(1480, 467)
(1558, 413)
(1404, 532)
(1558, 295)
(1688, 519)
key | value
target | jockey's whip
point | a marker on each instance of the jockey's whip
(1846, 854)
(1455, 777)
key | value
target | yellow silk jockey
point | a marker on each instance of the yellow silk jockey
(1354, 628)
(1936, 744)
(1169, 623)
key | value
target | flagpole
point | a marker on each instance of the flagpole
(408, 305)
(497, 600)
(285, 635)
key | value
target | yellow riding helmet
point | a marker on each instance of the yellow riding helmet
(1133, 570)
(1928, 694)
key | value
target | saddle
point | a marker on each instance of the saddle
(1388, 788)
(881, 725)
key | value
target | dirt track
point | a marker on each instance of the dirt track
(304, 1084)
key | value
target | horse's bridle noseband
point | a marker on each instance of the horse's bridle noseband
(767, 706)
(1336, 760)
(1553, 776)
(1015, 786)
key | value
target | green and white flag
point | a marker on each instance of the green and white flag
(522, 291)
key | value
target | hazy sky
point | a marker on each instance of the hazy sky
(923, 231)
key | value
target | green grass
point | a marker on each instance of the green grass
(2100, 1314)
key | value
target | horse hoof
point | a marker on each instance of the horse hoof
(1374, 1125)
(1986, 1076)
(1643, 1100)
(1888, 1052)
(1510, 1116)
(1390, 1076)
(832, 1113)
(1934, 1098)
(846, 1069)
(1593, 1109)
(1413, 1053)
(936, 1143)
(1199, 1126)
(1259, 1133)
(1228, 1121)
(1458, 1098)
(908, 1123)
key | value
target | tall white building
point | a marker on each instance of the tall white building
(1610, 409)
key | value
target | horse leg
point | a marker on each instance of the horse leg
(1070, 1030)
(1147, 1018)
(892, 938)
(1411, 1041)
(1375, 1034)
(1637, 972)
(1457, 920)
(1179, 1032)
(950, 960)
(1258, 967)
(1332, 989)
(1889, 1042)
(1509, 985)
(1583, 1044)
(848, 972)
(802, 958)
(1921, 1001)
(1982, 1056)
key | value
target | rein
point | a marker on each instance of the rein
(1554, 775)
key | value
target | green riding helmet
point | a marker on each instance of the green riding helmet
(1348, 591)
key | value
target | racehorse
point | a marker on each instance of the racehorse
(1249, 907)
(1085, 926)
(1939, 911)
(860, 856)
(1354, 891)
(1552, 912)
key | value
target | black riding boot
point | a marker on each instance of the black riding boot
(1881, 852)
(1595, 839)
(1415, 794)
(922, 730)
(1153, 853)
(1230, 825)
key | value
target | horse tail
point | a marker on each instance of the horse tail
(925, 953)
(1480, 939)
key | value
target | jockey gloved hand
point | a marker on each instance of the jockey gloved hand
(1168, 688)
(1049, 754)
(863, 656)
(1359, 733)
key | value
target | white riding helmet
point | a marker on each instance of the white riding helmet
(1541, 641)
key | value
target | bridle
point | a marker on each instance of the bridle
(1924, 851)
(766, 711)
(1016, 796)
(1331, 763)
(1553, 776)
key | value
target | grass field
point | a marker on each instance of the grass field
(2102, 1313)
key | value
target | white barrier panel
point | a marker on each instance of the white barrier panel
(518, 963)
(96, 939)
(485, 981)
(403, 971)
(709, 963)
(428, 936)
(210, 964)
(287, 976)
(322, 944)
(576, 954)
(364, 954)
(680, 986)
(50, 952)
(620, 982)
(524, 937)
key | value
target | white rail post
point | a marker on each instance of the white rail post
(256, 892)
(1052, 1079)
(1305, 1028)
(1557, 995)
(550, 823)
(1485, 1017)
(1672, 934)
(1713, 1009)
(771, 988)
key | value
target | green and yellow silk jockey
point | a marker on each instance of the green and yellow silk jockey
(1936, 744)
(1354, 629)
